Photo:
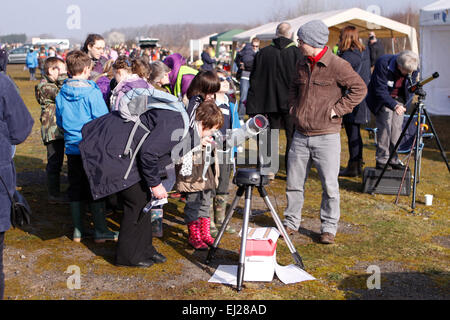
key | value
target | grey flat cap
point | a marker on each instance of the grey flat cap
(315, 33)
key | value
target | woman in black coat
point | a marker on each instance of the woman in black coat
(149, 177)
(352, 50)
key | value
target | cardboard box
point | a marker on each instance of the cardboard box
(260, 254)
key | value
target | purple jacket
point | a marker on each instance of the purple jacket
(123, 87)
(104, 85)
(174, 62)
(98, 67)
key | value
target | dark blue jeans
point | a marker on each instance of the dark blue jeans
(2, 275)
(244, 87)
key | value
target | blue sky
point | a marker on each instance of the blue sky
(50, 16)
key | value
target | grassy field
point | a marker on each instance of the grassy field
(411, 250)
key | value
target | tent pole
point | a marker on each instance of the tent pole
(393, 44)
(191, 47)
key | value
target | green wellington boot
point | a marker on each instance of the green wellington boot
(77, 210)
(220, 208)
(102, 233)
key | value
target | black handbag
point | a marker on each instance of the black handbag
(20, 209)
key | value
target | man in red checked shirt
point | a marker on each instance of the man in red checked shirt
(317, 104)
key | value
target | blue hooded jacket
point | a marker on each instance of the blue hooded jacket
(78, 102)
(32, 60)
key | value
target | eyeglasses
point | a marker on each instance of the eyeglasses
(224, 79)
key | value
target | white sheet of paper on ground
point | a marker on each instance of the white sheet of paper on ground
(227, 274)
(292, 274)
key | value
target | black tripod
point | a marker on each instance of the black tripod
(420, 110)
(247, 180)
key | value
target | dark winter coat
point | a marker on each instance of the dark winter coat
(382, 83)
(3, 60)
(15, 126)
(102, 154)
(376, 50)
(360, 62)
(272, 73)
(209, 63)
(247, 57)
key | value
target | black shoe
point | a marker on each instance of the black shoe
(143, 264)
(380, 166)
(397, 166)
(158, 258)
(352, 170)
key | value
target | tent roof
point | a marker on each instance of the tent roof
(337, 19)
(365, 22)
(247, 35)
(438, 5)
(435, 14)
(226, 36)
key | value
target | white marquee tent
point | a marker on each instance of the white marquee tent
(335, 20)
(248, 35)
(435, 49)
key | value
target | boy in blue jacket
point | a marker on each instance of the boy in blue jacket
(32, 63)
(79, 102)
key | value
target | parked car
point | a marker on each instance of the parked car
(18, 55)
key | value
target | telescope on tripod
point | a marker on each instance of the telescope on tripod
(422, 117)
(247, 179)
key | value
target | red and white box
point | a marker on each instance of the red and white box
(260, 254)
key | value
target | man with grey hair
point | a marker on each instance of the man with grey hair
(317, 104)
(272, 73)
(388, 99)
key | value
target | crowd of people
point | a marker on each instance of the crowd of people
(120, 118)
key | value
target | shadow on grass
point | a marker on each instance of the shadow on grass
(399, 285)
(29, 165)
(351, 184)
(178, 240)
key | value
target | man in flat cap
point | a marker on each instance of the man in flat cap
(324, 89)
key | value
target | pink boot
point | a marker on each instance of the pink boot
(195, 238)
(206, 231)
